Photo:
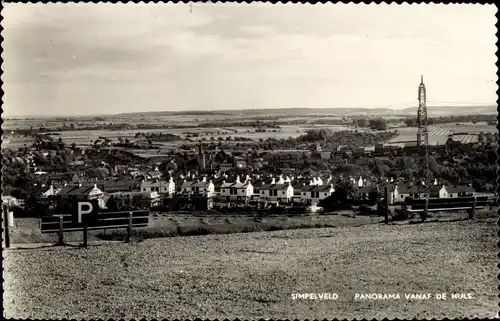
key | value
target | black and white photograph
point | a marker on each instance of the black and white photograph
(256, 161)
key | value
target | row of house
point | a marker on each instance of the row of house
(399, 192)
(227, 189)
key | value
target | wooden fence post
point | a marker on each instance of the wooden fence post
(473, 210)
(386, 201)
(129, 229)
(6, 226)
(61, 231)
(424, 213)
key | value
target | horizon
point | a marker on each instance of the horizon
(232, 110)
(80, 59)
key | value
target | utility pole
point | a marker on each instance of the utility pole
(423, 146)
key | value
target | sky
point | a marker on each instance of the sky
(78, 59)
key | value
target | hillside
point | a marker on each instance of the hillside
(254, 275)
(447, 110)
(303, 111)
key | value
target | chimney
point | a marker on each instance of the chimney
(204, 179)
(274, 181)
(237, 179)
(95, 185)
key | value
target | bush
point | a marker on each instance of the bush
(401, 215)
(365, 210)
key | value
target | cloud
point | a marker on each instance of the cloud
(93, 57)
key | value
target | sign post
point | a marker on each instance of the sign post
(85, 234)
(86, 212)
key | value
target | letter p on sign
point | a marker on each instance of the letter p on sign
(84, 208)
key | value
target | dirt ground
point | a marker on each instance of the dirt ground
(254, 275)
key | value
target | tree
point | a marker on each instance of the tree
(411, 122)
(481, 138)
(112, 204)
(340, 199)
(101, 172)
(490, 138)
(378, 124)
(362, 122)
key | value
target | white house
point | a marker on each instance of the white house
(401, 192)
(277, 192)
(316, 193)
(203, 187)
(49, 191)
(161, 186)
(456, 191)
(10, 200)
(237, 191)
(186, 186)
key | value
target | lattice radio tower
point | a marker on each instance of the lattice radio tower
(422, 142)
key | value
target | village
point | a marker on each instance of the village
(207, 178)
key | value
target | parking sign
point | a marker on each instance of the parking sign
(85, 212)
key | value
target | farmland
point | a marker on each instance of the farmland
(439, 134)
(253, 275)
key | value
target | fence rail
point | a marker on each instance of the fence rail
(448, 204)
(53, 224)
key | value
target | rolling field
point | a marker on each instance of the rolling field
(438, 135)
(254, 275)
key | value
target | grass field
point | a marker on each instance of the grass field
(27, 230)
(253, 275)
